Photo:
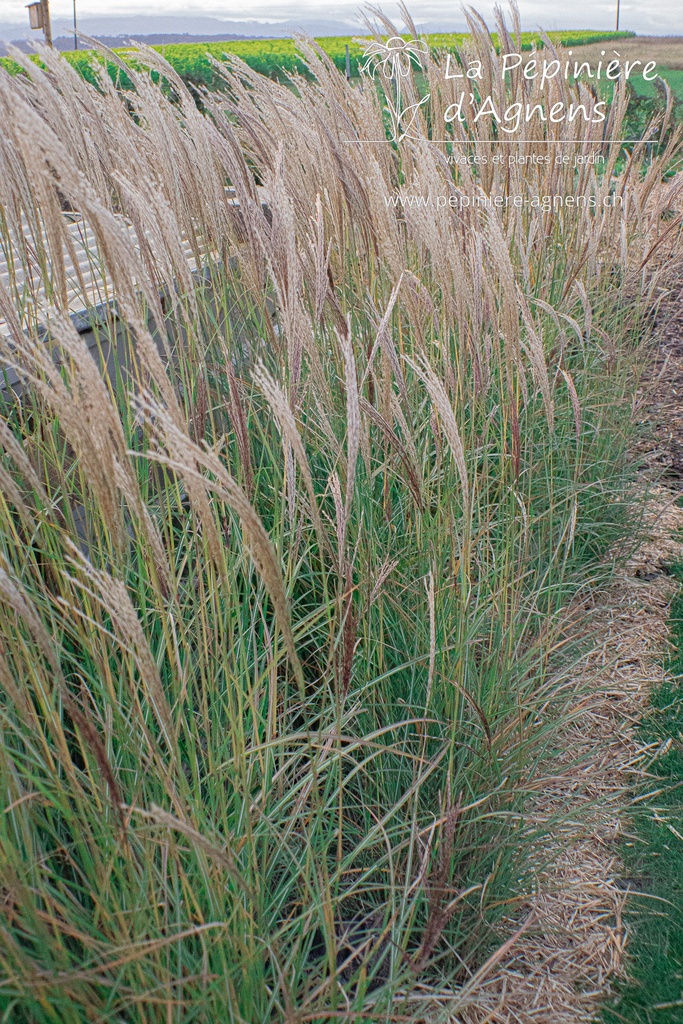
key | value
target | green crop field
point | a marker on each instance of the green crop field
(278, 58)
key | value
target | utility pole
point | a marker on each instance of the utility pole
(618, 5)
(75, 28)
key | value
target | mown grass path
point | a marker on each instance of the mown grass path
(652, 849)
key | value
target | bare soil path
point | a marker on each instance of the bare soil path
(666, 50)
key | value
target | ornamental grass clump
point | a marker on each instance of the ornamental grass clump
(288, 529)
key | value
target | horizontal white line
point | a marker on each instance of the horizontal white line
(476, 142)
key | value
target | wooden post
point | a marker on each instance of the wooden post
(47, 27)
(348, 64)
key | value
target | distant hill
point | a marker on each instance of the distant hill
(198, 27)
(66, 42)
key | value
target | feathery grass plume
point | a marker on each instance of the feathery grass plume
(285, 268)
(220, 854)
(409, 463)
(77, 395)
(290, 433)
(536, 355)
(13, 595)
(444, 408)
(192, 462)
(238, 421)
(320, 257)
(353, 426)
(27, 494)
(576, 405)
(116, 601)
(386, 343)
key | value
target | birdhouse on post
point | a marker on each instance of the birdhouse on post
(39, 17)
(35, 15)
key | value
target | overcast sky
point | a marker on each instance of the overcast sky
(655, 16)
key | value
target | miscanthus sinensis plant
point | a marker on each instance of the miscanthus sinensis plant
(284, 552)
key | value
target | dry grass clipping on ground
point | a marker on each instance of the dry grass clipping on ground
(562, 965)
(561, 968)
(666, 50)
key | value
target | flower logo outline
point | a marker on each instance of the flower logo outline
(394, 60)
